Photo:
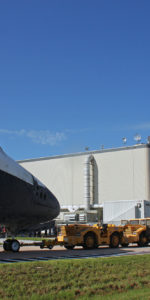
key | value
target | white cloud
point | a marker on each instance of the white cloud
(77, 131)
(136, 127)
(44, 137)
(140, 126)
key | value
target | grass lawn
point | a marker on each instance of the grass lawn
(26, 238)
(121, 278)
(30, 238)
(34, 239)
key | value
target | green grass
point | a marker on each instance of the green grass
(121, 278)
(26, 238)
(30, 238)
(34, 239)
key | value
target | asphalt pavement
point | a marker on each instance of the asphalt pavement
(34, 253)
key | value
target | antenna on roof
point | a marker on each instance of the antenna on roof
(148, 140)
(137, 138)
(124, 140)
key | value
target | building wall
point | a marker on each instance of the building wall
(119, 174)
(123, 175)
(114, 212)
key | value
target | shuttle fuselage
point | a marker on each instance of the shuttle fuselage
(24, 200)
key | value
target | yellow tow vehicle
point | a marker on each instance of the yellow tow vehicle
(87, 236)
(93, 236)
(136, 231)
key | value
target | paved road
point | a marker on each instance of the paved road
(32, 253)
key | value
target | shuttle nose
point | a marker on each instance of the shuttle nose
(53, 207)
(46, 203)
(53, 204)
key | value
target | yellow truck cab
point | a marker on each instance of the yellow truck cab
(90, 236)
(136, 231)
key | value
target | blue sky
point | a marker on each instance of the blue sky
(73, 73)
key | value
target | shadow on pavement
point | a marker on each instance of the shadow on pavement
(29, 252)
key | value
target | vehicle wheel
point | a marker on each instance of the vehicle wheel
(41, 247)
(89, 241)
(7, 245)
(15, 246)
(142, 240)
(50, 247)
(114, 240)
(125, 245)
(69, 247)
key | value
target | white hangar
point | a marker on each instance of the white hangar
(85, 182)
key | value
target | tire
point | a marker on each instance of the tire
(125, 245)
(114, 240)
(89, 241)
(69, 247)
(15, 246)
(7, 245)
(50, 247)
(142, 240)
(41, 246)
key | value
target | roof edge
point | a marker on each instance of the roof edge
(87, 153)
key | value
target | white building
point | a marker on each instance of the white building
(85, 181)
